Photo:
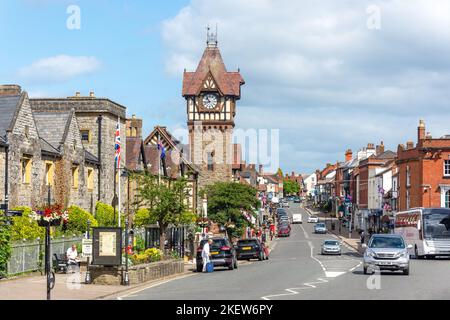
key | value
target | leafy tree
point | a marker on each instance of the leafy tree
(225, 202)
(78, 220)
(165, 202)
(290, 187)
(280, 173)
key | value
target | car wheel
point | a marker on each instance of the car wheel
(406, 271)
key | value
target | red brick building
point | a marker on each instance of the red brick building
(424, 171)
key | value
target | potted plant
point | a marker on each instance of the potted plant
(50, 215)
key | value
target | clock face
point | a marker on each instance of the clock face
(209, 101)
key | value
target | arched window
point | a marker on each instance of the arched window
(447, 199)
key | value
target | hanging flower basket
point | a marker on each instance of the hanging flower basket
(51, 215)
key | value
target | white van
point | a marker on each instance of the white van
(297, 218)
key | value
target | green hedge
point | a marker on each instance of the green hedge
(105, 215)
(25, 228)
(5, 246)
(78, 220)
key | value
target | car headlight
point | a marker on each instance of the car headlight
(371, 254)
(402, 254)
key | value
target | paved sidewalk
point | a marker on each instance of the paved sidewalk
(67, 287)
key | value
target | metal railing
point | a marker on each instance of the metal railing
(28, 256)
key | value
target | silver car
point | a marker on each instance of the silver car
(331, 247)
(386, 252)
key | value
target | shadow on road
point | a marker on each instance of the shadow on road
(383, 273)
(352, 254)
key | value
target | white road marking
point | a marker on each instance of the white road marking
(304, 232)
(314, 258)
(294, 291)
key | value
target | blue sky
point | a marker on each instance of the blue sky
(330, 75)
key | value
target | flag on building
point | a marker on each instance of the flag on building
(162, 157)
(117, 146)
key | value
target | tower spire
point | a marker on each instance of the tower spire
(211, 38)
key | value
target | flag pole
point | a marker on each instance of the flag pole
(159, 160)
(118, 165)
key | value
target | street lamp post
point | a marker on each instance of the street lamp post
(50, 279)
(126, 281)
(87, 279)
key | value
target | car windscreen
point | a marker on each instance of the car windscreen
(217, 243)
(247, 242)
(330, 243)
(387, 242)
(320, 225)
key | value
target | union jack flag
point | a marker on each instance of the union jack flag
(117, 145)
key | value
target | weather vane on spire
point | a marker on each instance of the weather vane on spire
(211, 38)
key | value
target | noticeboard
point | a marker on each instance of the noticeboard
(107, 246)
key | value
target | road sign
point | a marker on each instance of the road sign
(86, 247)
(14, 213)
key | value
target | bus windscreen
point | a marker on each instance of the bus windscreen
(436, 224)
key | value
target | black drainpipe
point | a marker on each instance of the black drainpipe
(99, 121)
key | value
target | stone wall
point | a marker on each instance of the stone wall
(24, 141)
(137, 274)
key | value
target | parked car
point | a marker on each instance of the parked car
(285, 204)
(331, 247)
(222, 252)
(297, 218)
(283, 218)
(281, 211)
(386, 252)
(320, 228)
(284, 231)
(313, 219)
(252, 248)
(284, 224)
(297, 200)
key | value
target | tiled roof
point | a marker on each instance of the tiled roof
(48, 148)
(51, 126)
(133, 153)
(89, 157)
(8, 106)
(229, 83)
(387, 155)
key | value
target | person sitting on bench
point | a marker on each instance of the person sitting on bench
(72, 256)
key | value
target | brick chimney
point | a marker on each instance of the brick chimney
(380, 149)
(348, 155)
(409, 145)
(10, 90)
(421, 131)
(370, 146)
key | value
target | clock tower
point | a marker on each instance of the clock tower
(211, 93)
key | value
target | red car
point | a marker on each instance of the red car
(284, 231)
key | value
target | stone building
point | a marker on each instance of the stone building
(97, 119)
(45, 155)
(211, 94)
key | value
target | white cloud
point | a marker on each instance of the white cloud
(59, 68)
(315, 70)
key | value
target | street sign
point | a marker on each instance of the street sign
(86, 247)
(14, 213)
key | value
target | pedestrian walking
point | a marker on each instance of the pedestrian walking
(206, 254)
(362, 236)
